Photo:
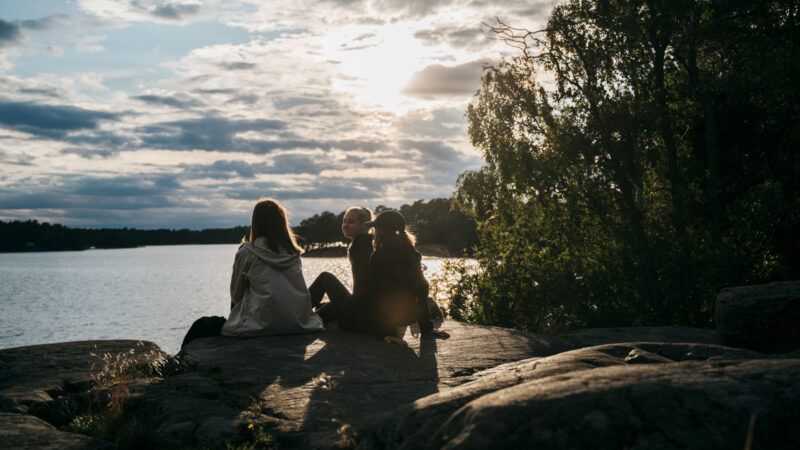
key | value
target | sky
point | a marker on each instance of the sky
(183, 113)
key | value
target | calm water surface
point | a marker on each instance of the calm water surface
(152, 293)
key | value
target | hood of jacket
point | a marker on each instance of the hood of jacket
(280, 261)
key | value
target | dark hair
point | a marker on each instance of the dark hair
(269, 221)
(384, 237)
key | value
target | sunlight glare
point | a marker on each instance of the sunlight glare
(375, 69)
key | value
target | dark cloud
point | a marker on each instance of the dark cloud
(169, 101)
(168, 11)
(537, 10)
(411, 8)
(236, 65)
(90, 153)
(216, 91)
(298, 164)
(140, 185)
(438, 80)
(472, 37)
(208, 133)
(10, 33)
(364, 36)
(291, 102)
(223, 169)
(121, 192)
(432, 150)
(49, 120)
(17, 160)
(98, 142)
(45, 23)
(440, 123)
(370, 21)
(220, 134)
(249, 99)
(45, 92)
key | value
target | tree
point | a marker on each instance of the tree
(632, 187)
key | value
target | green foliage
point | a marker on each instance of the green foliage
(321, 230)
(656, 168)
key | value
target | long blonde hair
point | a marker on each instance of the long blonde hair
(270, 221)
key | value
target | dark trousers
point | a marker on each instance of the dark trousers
(338, 295)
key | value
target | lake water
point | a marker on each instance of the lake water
(151, 293)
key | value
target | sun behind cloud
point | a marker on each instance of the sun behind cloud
(375, 66)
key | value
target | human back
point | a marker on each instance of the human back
(268, 292)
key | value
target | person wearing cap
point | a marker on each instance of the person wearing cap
(396, 290)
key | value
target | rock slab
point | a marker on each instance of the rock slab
(765, 318)
(485, 386)
(313, 390)
(639, 396)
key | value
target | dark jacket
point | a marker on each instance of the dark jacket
(397, 291)
(358, 253)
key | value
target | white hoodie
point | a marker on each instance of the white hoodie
(269, 294)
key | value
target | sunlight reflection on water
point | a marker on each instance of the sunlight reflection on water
(151, 293)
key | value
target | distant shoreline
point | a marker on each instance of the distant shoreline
(429, 250)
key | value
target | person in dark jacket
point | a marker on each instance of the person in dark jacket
(395, 291)
(357, 252)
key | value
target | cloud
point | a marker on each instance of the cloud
(89, 153)
(45, 23)
(16, 159)
(49, 120)
(116, 192)
(291, 102)
(224, 169)
(44, 92)
(168, 11)
(237, 65)
(10, 33)
(471, 38)
(171, 101)
(439, 80)
(432, 150)
(298, 164)
(207, 133)
(439, 123)
(336, 190)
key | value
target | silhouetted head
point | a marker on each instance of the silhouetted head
(270, 222)
(391, 231)
(354, 220)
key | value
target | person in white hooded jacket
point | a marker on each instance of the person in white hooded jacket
(268, 292)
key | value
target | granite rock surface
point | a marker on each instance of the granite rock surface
(643, 387)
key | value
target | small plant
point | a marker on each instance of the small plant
(258, 437)
(347, 436)
(255, 405)
(325, 381)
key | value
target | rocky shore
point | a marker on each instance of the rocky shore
(485, 387)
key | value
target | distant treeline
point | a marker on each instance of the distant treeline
(434, 223)
(34, 236)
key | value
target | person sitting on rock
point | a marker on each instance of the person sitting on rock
(268, 291)
(358, 252)
(395, 290)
